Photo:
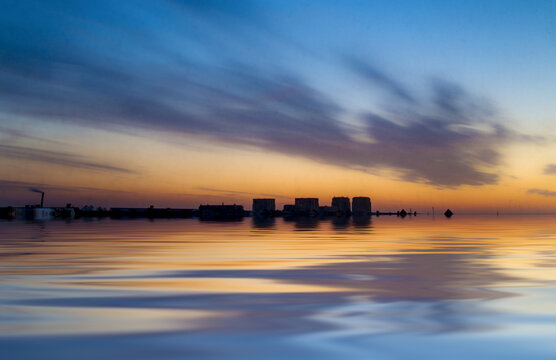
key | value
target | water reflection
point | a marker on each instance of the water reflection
(338, 222)
(264, 222)
(310, 287)
(361, 221)
(341, 222)
(304, 223)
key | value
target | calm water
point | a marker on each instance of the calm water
(385, 288)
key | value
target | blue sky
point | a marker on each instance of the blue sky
(435, 92)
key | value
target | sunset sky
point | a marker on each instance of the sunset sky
(176, 103)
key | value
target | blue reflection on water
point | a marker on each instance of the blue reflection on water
(384, 288)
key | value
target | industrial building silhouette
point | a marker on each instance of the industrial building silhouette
(341, 207)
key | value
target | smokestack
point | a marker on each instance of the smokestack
(38, 191)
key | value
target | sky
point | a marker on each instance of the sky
(179, 103)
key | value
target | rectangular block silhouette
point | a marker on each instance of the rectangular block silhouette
(264, 206)
(361, 205)
(306, 206)
(341, 205)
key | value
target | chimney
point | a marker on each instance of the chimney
(42, 198)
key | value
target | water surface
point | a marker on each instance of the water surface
(359, 288)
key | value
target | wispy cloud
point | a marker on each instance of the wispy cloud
(25, 185)
(378, 77)
(56, 158)
(550, 169)
(241, 193)
(451, 140)
(542, 192)
(10, 134)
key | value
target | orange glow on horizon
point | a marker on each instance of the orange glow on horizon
(172, 175)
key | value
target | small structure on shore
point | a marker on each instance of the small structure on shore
(7, 212)
(307, 206)
(150, 212)
(341, 206)
(33, 212)
(327, 211)
(448, 213)
(264, 207)
(36, 212)
(221, 212)
(289, 210)
(361, 205)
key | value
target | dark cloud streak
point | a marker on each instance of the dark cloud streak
(449, 144)
(56, 158)
(25, 185)
(240, 193)
(542, 192)
(379, 78)
(550, 169)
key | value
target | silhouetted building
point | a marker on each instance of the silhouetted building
(326, 210)
(264, 206)
(35, 212)
(221, 212)
(448, 213)
(289, 210)
(306, 206)
(361, 205)
(341, 205)
(127, 212)
(7, 213)
(100, 212)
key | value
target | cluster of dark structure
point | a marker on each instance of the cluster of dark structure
(302, 207)
(36, 212)
(340, 206)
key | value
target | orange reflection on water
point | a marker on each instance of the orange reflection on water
(49, 320)
(207, 285)
(443, 257)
